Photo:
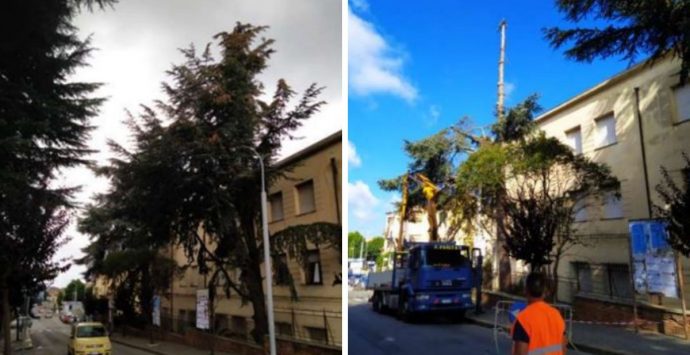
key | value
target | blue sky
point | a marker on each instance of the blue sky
(417, 67)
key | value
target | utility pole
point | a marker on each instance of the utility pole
(501, 63)
(361, 249)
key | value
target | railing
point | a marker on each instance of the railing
(319, 327)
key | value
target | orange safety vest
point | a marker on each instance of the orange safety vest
(545, 328)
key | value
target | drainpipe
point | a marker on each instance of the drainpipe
(644, 153)
(334, 171)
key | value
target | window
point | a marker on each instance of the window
(281, 271)
(276, 204)
(221, 322)
(619, 281)
(682, 95)
(284, 328)
(305, 197)
(443, 257)
(317, 334)
(583, 273)
(613, 206)
(606, 130)
(313, 268)
(239, 325)
(580, 209)
(574, 140)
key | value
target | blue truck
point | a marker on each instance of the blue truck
(427, 278)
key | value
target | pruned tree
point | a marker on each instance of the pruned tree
(541, 184)
(675, 206)
(434, 157)
(636, 27)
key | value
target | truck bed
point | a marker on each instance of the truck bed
(384, 279)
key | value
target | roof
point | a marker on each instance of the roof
(334, 138)
(616, 79)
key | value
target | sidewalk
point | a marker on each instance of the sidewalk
(159, 347)
(609, 340)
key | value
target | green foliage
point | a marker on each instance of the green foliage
(518, 122)
(675, 207)
(375, 247)
(636, 27)
(436, 157)
(536, 185)
(44, 126)
(77, 287)
(355, 242)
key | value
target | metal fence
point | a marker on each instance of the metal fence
(602, 281)
(318, 327)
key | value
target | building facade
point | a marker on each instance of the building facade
(309, 192)
(635, 122)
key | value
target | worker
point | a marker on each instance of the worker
(539, 329)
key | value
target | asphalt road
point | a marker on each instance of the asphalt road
(50, 337)
(373, 333)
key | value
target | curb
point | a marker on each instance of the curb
(584, 347)
(138, 347)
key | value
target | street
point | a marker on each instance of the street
(50, 336)
(373, 333)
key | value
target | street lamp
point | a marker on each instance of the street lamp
(267, 254)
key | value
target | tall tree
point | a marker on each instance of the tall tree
(649, 27)
(43, 126)
(675, 206)
(75, 290)
(375, 247)
(209, 198)
(355, 242)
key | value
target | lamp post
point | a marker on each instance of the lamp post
(267, 254)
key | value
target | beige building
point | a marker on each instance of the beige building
(635, 122)
(310, 192)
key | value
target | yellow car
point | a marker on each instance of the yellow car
(89, 338)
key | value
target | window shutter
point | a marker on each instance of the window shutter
(574, 140)
(305, 194)
(683, 102)
(613, 207)
(606, 130)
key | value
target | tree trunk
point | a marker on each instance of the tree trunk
(4, 290)
(554, 287)
(258, 299)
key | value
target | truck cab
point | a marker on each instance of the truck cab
(428, 278)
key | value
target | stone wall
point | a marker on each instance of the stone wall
(201, 340)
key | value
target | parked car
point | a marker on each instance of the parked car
(89, 338)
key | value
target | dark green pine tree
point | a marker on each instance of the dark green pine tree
(675, 206)
(44, 124)
(647, 27)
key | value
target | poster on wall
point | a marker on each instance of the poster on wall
(654, 261)
(156, 310)
(202, 313)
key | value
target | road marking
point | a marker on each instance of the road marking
(389, 339)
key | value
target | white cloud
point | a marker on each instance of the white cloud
(360, 5)
(361, 202)
(352, 156)
(374, 67)
(434, 114)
